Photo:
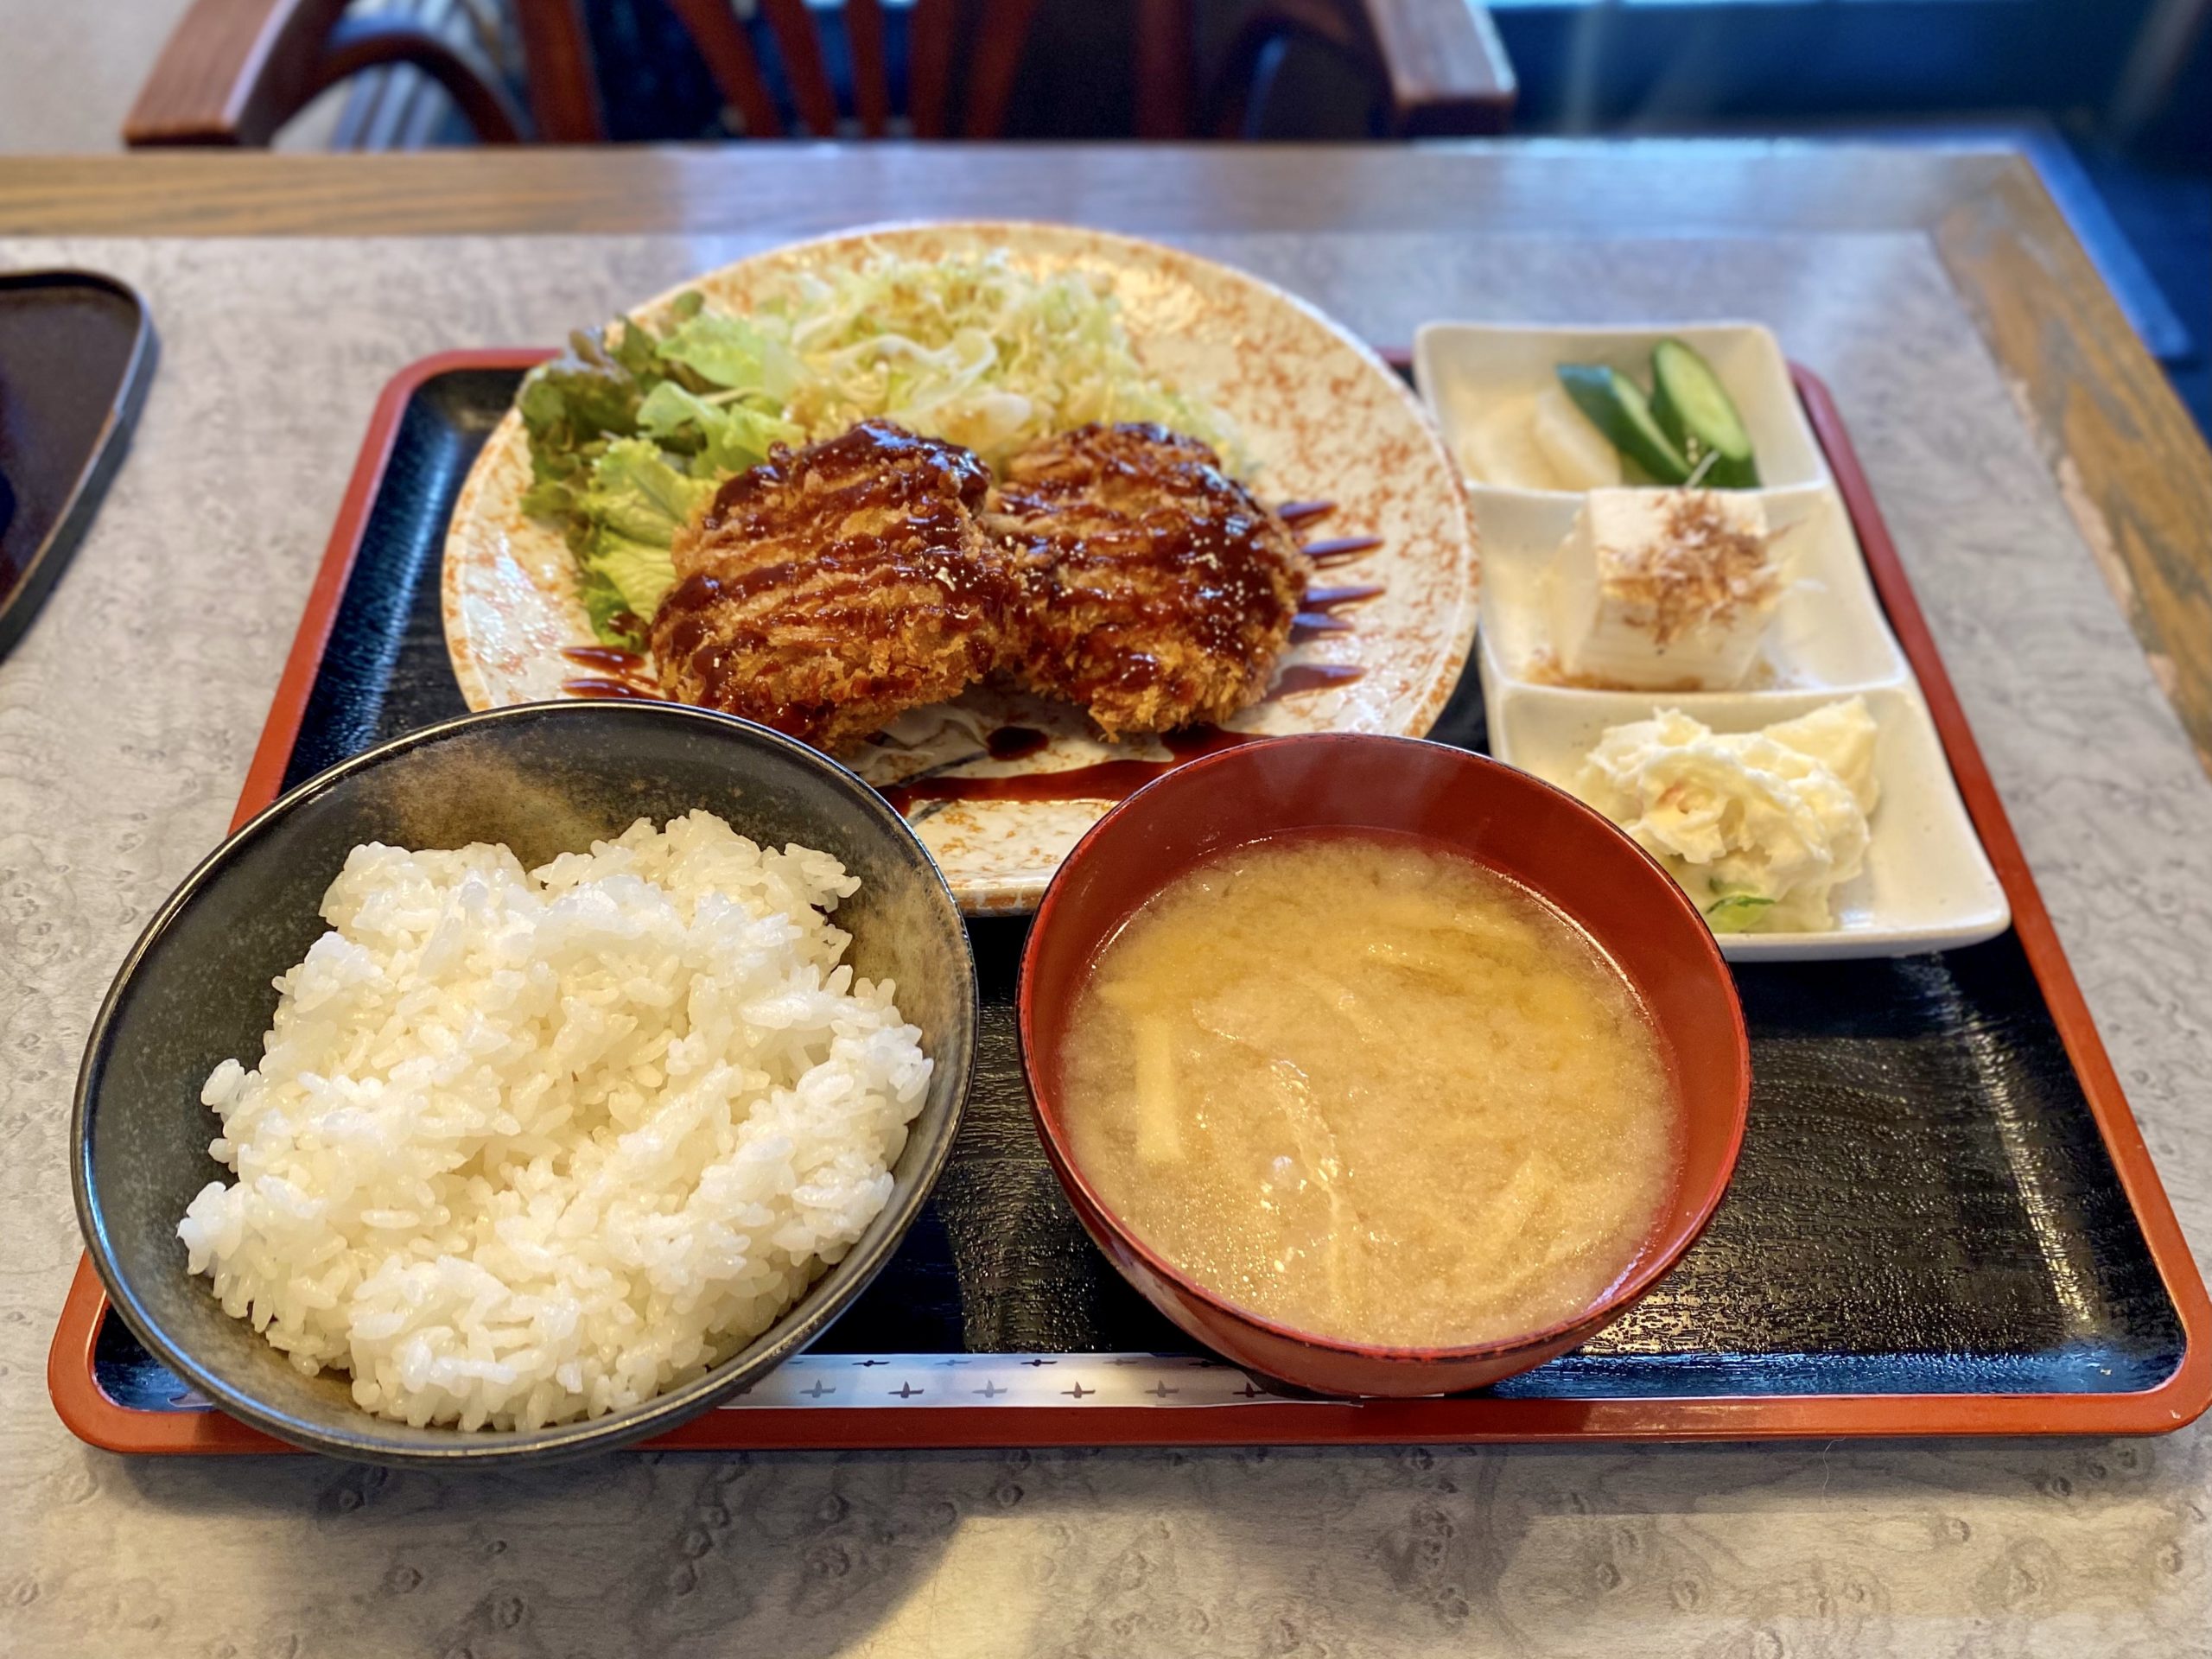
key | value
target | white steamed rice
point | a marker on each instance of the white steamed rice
(530, 1146)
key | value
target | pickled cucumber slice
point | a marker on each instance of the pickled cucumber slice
(1620, 411)
(1696, 413)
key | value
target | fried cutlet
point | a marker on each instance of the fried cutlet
(831, 588)
(1159, 592)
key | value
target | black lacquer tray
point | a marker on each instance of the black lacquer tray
(1943, 1221)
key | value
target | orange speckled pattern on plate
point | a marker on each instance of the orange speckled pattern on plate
(1320, 416)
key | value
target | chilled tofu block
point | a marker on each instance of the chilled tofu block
(1663, 589)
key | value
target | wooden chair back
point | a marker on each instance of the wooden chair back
(992, 32)
(235, 71)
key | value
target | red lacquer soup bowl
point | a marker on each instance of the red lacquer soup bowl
(1493, 814)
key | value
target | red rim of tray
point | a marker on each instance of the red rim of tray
(94, 1417)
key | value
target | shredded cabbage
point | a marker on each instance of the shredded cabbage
(974, 351)
(631, 428)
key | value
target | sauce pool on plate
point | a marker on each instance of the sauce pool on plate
(1372, 1090)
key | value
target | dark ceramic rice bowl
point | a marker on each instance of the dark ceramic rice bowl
(544, 779)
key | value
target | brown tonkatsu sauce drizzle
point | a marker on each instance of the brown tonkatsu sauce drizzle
(1162, 590)
(1107, 780)
(832, 585)
(1329, 600)
(611, 690)
(1317, 617)
(1341, 551)
(1196, 578)
(1314, 617)
(1015, 742)
(843, 584)
(1192, 741)
(613, 659)
(623, 675)
(1312, 677)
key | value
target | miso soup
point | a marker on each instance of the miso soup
(1369, 1089)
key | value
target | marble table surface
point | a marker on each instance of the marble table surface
(126, 718)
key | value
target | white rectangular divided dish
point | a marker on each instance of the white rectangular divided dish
(1828, 632)
(1927, 885)
(1462, 367)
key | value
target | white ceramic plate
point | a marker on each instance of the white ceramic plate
(1928, 885)
(1322, 417)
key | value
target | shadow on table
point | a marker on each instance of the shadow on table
(1287, 1552)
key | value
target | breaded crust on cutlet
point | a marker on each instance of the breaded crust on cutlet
(831, 588)
(1159, 592)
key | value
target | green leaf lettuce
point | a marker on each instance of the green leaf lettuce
(636, 503)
